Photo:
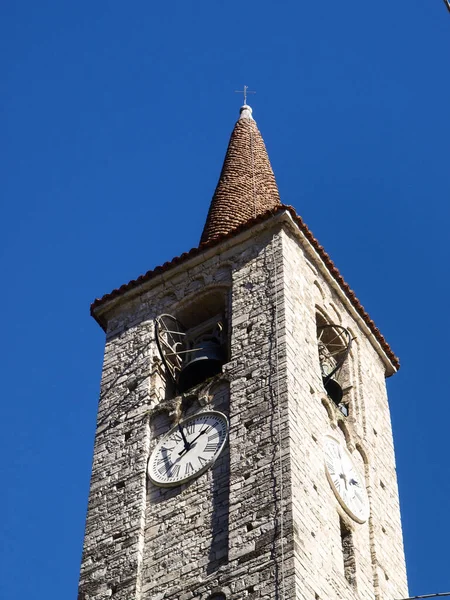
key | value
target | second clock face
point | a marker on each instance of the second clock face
(188, 449)
(346, 482)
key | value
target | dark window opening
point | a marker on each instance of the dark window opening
(193, 343)
(348, 553)
(334, 343)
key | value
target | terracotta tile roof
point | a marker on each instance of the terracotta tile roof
(350, 294)
(246, 186)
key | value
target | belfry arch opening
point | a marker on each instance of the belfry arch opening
(193, 341)
(334, 345)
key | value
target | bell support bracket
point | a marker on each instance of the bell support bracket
(170, 340)
(334, 342)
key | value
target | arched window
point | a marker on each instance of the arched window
(334, 344)
(193, 342)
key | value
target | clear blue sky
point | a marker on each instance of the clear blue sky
(114, 122)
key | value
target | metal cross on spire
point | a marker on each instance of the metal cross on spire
(245, 91)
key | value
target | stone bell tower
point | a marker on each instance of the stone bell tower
(244, 446)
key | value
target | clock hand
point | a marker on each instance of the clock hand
(187, 445)
(191, 443)
(201, 433)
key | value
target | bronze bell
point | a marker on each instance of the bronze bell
(333, 389)
(202, 362)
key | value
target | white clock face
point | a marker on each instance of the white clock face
(188, 449)
(347, 483)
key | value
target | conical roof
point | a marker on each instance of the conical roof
(247, 186)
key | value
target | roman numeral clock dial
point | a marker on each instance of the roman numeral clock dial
(347, 483)
(188, 449)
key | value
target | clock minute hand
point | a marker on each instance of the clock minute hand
(201, 433)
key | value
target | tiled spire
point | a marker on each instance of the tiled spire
(247, 186)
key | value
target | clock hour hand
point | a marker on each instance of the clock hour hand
(187, 445)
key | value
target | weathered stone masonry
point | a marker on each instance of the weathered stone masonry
(139, 564)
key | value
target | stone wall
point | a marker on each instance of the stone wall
(318, 517)
(222, 530)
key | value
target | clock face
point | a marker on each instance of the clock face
(188, 449)
(347, 483)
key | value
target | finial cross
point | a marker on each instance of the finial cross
(245, 91)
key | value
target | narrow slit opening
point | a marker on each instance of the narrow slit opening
(348, 553)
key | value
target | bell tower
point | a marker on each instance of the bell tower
(244, 446)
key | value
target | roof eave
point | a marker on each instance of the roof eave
(101, 307)
(337, 282)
